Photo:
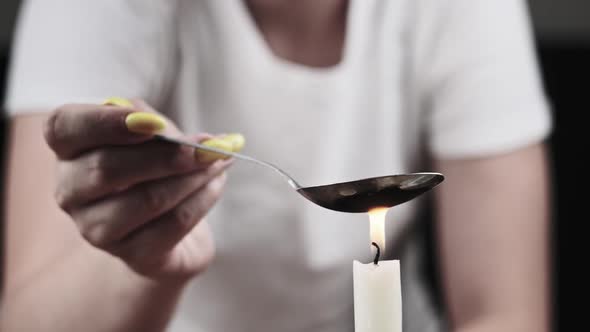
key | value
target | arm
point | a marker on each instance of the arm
(54, 280)
(140, 200)
(492, 230)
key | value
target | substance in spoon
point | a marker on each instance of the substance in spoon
(363, 195)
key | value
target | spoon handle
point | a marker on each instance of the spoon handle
(240, 156)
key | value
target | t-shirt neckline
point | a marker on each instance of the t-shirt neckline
(245, 22)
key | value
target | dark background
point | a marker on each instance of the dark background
(563, 33)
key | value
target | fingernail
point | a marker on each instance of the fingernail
(237, 141)
(208, 156)
(117, 101)
(145, 123)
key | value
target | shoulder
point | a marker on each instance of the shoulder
(61, 43)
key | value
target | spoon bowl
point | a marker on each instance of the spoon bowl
(364, 195)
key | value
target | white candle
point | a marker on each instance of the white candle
(377, 287)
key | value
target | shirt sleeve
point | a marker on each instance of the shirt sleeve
(85, 50)
(482, 86)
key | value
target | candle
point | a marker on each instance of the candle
(377, 285)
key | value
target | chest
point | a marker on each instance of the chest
(348, 121)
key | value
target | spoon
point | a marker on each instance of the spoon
(354, 196)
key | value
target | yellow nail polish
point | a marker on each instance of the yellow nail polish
(237, 141)
(145, 123)
(118, 101)
(208, 156)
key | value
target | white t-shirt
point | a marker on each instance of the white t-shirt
(418, 79)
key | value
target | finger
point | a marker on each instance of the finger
(170, 130)
(210, 156)
(231, 143)
(237, 141)
(158, 237)
(111, 219)
(73, 129)
(142, 106)
(112, 169)
(228, 142)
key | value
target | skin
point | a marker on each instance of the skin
(132, 225)
(307, 32)
(492, 231)
(97, 266)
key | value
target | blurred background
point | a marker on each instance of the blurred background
(563, 38)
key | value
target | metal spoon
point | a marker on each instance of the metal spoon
(355, 196)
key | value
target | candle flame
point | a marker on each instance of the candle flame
(377, 228)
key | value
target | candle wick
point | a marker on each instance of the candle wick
(376, 260)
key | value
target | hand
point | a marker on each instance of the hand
(138, 199)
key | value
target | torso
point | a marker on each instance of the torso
(284, 264)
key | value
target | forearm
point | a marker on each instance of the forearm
(88, 292)
(54, 280)
(493, 240)
(505, 322)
